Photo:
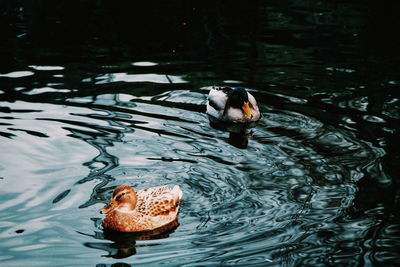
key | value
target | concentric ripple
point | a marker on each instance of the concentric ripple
(94, 94)
(282, 200)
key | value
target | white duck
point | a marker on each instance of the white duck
(232, 105)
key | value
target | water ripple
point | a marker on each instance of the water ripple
(286, 199)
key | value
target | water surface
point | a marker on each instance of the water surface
(316, 184)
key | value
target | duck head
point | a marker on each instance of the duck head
(238, 98)
(124, 196)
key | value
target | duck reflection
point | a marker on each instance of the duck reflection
(239, 133)
(239, 140)
(124, 244)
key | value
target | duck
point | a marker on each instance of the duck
(234, 105)
(145, 210)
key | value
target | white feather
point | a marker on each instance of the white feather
(124, 209)
(218, 98)
(216, 107)
(177, 190)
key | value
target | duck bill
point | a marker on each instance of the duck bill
(247, 110)
(109, 207)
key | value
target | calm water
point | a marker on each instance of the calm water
(95, 96)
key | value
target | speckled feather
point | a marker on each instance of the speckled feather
(156, 207)
(156, 201)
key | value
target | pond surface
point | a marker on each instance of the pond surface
(116, 94)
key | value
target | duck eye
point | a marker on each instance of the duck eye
(118, 197)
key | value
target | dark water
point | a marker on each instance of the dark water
(96, 94)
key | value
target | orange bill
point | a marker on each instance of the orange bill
(247, 110)
(109, 207)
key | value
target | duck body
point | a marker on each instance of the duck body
(234, 105)
(144, 210)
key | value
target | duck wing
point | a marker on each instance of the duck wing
(157, 201)
(217, 98)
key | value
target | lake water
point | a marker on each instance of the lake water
(96, 95)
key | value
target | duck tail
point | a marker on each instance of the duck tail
(176, 190)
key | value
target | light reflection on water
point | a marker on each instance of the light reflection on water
(283, 199)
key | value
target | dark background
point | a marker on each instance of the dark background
(125, 29)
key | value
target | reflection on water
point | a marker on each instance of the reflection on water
(239, 140)
(124, 244)
(239, 133)
(314, 183)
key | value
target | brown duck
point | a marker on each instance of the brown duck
(145, 210)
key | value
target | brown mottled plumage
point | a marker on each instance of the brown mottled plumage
(145, 210)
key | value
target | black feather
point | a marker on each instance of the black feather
(214, 105)
(226, 90)
(237, 96)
